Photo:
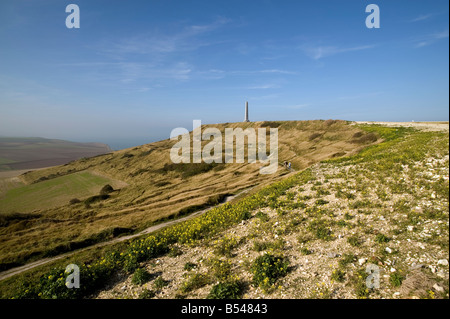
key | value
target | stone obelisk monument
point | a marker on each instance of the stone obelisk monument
(246, 112)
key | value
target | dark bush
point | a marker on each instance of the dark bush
(270, 124)
(160, 282)
(40, 179)
(189, 266)
(147, 294)
(139, 172)
(74, 201)
(216, 199)
(141, 276)
(190, 169)
(162, 183)
(267, 269)
(95, 198)
(314, 136)
(9, 218)
(358, 134)
(368, 138)
(106, 189)
(380, 238)
(127, 155)
(227, 290)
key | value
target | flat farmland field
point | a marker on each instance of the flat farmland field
(52, 193)
(18, 153)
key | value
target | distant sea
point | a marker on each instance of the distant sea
(122, 143)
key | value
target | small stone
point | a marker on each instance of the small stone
(416, 266)
(362, 261)
(396, 294)
(388, 250)
(415, 297)
(443, 262)
(438, 288)
(433, 269)
(410, 228)
(332, 255)
(433, 195)
(393, 269)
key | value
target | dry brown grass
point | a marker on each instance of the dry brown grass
(144, 201)
(416, 283)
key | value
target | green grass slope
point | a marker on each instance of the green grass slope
(156, 189)
(52, 193)
(310, 235)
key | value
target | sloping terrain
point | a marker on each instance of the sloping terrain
(385, 209)
(156, 188)
(318, 233)
(50, 193)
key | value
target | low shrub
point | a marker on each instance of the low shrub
(270, 124)
(225, 246)
(321, 202)
(354, 241)
(175, 251)
(74, 201)
(314, 136)
(305, 251)
(95, 198)
(338, 275)
(380, 238)
(220, 269)
(266, 269)
(141, 276)
(147, 294)
(396, 279)
(189, 266)
(347, 259)
(227, 290)
(262, 216)
(367, 138)
(194, 282)
(160, 282)
(106, 189)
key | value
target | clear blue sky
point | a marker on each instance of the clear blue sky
(135, 70)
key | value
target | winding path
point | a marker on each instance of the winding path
(17, 270)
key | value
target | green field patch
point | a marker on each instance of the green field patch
(5, 161)
(52, 193)
(4, 164)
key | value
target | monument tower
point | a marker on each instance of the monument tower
(246, 113)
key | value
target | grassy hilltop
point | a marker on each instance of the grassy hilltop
(148, 188)
(369, 195)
